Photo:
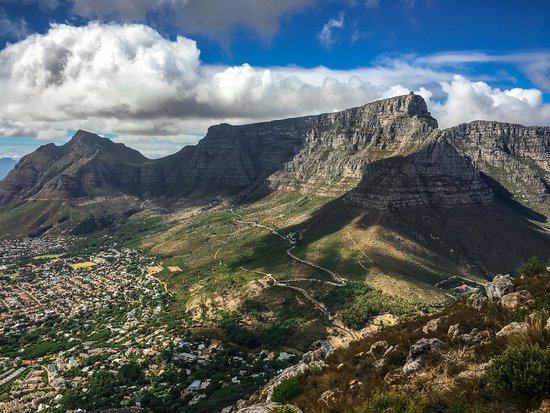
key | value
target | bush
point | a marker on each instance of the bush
(394, 402)
(286, 391)
(525, 371)
(370, 304)
(284, 409)
(531, 267)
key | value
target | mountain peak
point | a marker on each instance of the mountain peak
(87, 138)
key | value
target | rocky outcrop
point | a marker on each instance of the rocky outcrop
(86, 166)
(419, 353)
(501, 285)
(518, 300)
(514, 158)
(512, 329)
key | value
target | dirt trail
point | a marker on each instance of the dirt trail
(338, 280)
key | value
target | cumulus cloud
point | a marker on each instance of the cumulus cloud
(326, 35)
(156, 95)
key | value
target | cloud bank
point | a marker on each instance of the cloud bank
(156, 95)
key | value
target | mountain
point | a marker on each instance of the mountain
(6, 165)
(514, 159)
(86, 166)
(447, 192)
(328, 154)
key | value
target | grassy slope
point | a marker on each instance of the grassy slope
(438, 382)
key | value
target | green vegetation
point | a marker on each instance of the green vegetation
(525, 371)
(9, 275)
(284, 409)
(47, 257)
(372, 303)
(45, 348)
(286, 391)
(394, 402)
(531, 267)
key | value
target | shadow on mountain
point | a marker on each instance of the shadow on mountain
(429, 215)
(502, 194)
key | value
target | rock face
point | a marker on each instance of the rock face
(419, 352)
(387, 154)
(515, 159)
(501, 285)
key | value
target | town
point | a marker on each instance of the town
(82, 331)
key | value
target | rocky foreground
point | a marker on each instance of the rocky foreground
(489, 352)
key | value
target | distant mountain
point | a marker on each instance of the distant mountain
(6, 165)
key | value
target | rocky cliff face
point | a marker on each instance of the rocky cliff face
(436, 175)
(386, 154)
(515, 158)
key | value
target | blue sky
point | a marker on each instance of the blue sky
(155, 74)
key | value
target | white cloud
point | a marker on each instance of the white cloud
(467, 101)
(326, 35)
(156, 94)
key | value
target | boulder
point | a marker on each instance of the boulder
(263, 408)
(378, 348)
(477, 301)
(432, 325)
(419, 352)
(476, 337)
(454, 331)
(512, 328)
(518, 300)
(476, 373)
(501, 285)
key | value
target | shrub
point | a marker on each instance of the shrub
(536, 332)
(284, 409)
(531, 267)
(524, 371)
(394, 402)
(287, 390)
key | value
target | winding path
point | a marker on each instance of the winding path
(339, 281)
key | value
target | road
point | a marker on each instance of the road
(338, 280)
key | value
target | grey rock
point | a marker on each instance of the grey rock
(477, 301)
(501, 285)
(418, 353)
(515, 158)
(476, 336)
(378, 348)
(454, 331)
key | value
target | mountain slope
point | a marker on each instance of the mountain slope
(86, 166)
(515, 158)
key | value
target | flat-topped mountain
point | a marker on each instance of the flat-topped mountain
(387, 154)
